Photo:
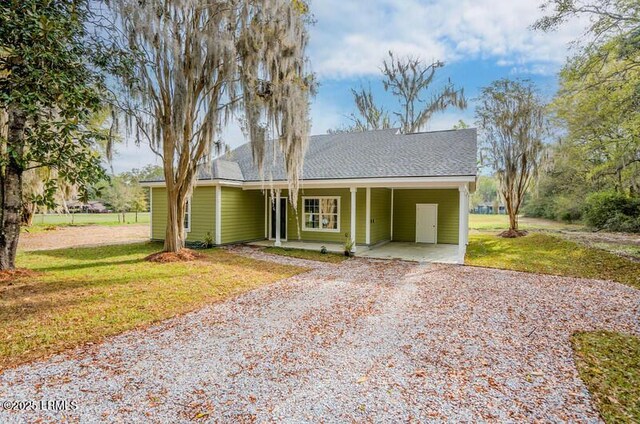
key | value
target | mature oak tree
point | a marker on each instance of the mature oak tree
(510, 116)
(370, 116)
(189, 66)
(48, 91)
(409, 80)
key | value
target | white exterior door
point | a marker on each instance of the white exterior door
(426, 223)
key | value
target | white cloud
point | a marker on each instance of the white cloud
(352, 37)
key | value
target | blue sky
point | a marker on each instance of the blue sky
(479, 41)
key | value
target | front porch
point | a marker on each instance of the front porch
(407, 251)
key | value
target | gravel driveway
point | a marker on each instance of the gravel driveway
(362, 341)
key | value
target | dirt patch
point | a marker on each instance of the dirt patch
(513, 233)
(183, 255)
(87, 235)
(11, 275)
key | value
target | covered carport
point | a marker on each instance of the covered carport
(417, 252)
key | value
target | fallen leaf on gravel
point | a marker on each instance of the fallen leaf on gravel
(362, 379)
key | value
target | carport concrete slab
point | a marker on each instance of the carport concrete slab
(307, 245)
(418, 252)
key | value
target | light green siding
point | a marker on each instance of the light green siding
(242, 215)
(380, 215)
(202, 213)
(158, 213)
(404, 213)
(294, 221)
(203, 216)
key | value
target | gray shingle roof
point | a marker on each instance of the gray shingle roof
(367, 154)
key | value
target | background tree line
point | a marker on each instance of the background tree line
(592, 170)
(574, 158)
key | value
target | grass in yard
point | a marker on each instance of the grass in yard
(501, 222)
(312, 255)
(42, 222)
(544, 253)
(85, 294)
(609, 365)
(620, 249)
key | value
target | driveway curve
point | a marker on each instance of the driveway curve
(365, 340)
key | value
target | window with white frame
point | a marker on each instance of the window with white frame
(321, 213)
(187, 216)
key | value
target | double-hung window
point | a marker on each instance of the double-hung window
(321, 213)
(187, 216)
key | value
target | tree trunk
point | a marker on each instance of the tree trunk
(12, 190)
(174, 237)
(28, 211)
(513, 215)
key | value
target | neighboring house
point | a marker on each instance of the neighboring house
(93, 206)
(372, 186)
(489, 209)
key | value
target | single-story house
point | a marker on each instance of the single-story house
(374, 187)
(488, 209)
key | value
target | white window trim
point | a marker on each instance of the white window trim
(188, 227)
(321, 230)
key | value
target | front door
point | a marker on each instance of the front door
(283, 219)
(426, 223)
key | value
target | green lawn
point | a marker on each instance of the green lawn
(609, 365)
(548, 254)
(501, 222)
(82, 295)
(41, 221)
(306, 254)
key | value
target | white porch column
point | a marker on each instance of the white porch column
(367, 227)
(463, 226)
(150, 213)
(466, 216)
(218, 215)
(353, 217)
(278, 242)
(266, 215)
(391, 230)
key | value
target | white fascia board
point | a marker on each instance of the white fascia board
(396, 182)
(199, 183)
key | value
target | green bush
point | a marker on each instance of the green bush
(567, 209)
(559, 208)
(539, 208)
(613, 212)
